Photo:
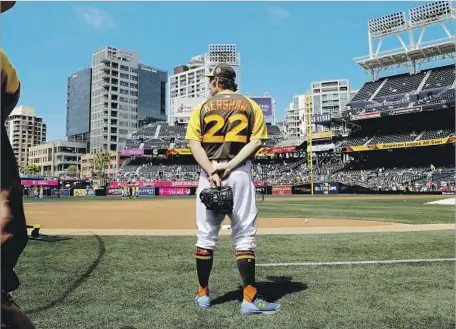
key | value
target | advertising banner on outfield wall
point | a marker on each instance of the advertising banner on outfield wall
(326, 188)
(63, 192)
(281, 190)
(260, 189)
(386, 146)
(113, 191)
(265, 104)
(82, 192)
(174, 191)
(147, 191)
(300, 189)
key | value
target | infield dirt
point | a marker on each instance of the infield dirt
(177, 217)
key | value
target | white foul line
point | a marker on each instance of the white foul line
(365, 262)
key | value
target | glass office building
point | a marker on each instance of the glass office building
(78, 106)
(152, 94)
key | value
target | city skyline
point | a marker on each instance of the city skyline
(278, 43)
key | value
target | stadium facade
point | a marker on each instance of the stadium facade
(124, 95)
(188, 86)
(79, 87)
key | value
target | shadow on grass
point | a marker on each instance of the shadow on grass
(276, 288)
(77, 283)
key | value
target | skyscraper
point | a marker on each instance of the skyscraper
(124, 92)
(78, 105)
(188, 86)
(152, 95)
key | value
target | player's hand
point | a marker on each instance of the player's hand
(5, 216)
(215, 180)
(224, 170)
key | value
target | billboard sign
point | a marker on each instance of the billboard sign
(113, 191)
(281, 190)
(44, 182)
(174, 191)
(83, 192)
(183, 106)
(132, 152)
(147, 191)
(265, 104)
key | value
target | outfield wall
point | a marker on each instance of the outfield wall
(180, 189)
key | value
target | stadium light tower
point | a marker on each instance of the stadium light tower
(413, 52)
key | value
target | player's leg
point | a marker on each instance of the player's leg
(10, 253)
(244, 228)
(12, 315)
(208, 227)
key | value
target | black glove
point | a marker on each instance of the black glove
(218, 199)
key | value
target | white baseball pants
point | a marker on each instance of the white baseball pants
(243, 218)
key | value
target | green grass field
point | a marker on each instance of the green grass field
(149, 282)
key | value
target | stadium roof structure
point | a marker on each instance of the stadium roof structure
(414, 53)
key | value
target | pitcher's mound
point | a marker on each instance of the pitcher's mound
(449, 201)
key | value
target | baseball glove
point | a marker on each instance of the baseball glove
(218, 199)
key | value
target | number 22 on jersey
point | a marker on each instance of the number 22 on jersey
(237, 123)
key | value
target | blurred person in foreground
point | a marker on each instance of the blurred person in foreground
(13, 225)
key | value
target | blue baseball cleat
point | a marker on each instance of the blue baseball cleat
(259, 306)
(204, 302)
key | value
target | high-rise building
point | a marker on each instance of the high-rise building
(119, 101)
(293, 115)
(188, 86)
(152, 95)
(330, 97)
(24, 130)
(78, 106)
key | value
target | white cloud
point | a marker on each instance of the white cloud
(277, 15)
(96, 18)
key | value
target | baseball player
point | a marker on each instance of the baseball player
(224, 133)
(12, 218)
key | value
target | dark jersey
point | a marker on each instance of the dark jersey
(225, 123)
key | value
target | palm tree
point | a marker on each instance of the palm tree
(31, 169)
(71, 171)
(102, 162)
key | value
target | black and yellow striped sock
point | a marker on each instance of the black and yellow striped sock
(246, 264)
(204, 262)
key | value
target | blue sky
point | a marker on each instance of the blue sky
(283, 45)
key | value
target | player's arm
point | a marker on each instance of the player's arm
(194, 138)
(10, 96)
(259, 134)
(10, 87)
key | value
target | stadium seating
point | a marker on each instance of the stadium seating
(401, 84)
(392, 138)
(367, 90)
(352, 141)
(434, 134)
(440, 77)
(429, 87)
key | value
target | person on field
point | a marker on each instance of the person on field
(14, 236)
